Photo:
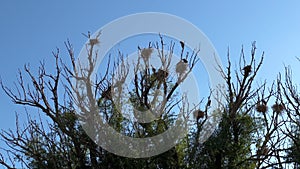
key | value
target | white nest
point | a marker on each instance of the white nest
(146, 53)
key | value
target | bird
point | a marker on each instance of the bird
(88, 35)
(107, 93)
(181, 67)
(153, 69)
(182, 44)
(182, 48)
(208, 102)
(247, 70)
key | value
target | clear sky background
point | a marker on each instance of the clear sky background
(31, 30)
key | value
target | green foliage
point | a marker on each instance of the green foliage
(223, 150)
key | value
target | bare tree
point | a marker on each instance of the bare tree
(255, 130)
(290, 102)
(62, 142)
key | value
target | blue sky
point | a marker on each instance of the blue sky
(31, 30)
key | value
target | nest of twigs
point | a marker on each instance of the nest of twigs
(199, 114)
(278, 108)
(262, 108)
(146, 53)
(162, 75)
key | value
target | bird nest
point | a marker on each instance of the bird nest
(262, 108)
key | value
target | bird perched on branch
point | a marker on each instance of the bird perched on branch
(208, 102)
(181, 67)
(247, 70)
(107, 93)
(182, 44)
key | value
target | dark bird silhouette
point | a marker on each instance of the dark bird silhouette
(208, 102)
(182, 44)
(107, 93)
(88, 35)
(247, 70)
(153, 69)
